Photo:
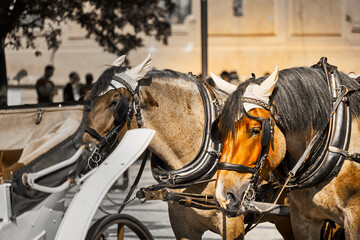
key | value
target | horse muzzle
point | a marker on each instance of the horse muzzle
(231, 199)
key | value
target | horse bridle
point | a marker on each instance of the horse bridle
(124, 112)
(266, 139)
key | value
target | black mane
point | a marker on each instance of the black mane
(301, 97)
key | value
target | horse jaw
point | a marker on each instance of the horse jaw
(138, 72)
(119, 61)
(222, 84)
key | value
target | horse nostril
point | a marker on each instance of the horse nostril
(232, 201)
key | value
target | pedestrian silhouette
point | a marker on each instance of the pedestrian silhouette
(86, 87)
(72, 88)
(45, 88)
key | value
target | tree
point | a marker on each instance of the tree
(21, 21)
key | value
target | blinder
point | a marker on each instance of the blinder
(215, 134)
(121, 110)
(266, 133)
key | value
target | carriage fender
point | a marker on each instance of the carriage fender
(86, 201)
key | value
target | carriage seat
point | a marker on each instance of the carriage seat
(29, 132)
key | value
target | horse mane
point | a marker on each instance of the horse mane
(301, 97)
(170, 74)
(105, 78)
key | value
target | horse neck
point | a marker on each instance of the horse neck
(174, 108)
(296, 144)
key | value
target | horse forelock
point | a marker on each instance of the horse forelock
(301, 99)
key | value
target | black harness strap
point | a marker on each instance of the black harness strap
(93, 133)
(234, 167)
(144, 157)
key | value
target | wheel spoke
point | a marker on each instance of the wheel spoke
(121, 232)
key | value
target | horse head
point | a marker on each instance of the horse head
(112, 97)
(253, 144)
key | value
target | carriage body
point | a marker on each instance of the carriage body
(41, 159)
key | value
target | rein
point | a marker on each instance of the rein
(162, 192)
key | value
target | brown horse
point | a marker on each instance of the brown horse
(170, 103)
(301, 127)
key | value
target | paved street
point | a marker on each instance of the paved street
(154, 213)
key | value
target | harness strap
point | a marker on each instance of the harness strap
(292, 173)
(137, 179)
(351, 156)
(179, 185)
(93, 133)
(163, 192)
(234, 167)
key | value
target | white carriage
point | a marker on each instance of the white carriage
(41, 158)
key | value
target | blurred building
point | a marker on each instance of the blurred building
(248, 36)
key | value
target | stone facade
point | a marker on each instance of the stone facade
(287, 33)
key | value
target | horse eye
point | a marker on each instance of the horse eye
(255, 131)
(113, 103)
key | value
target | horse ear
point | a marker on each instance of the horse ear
(222, 84)
(140, 70)
(267, 86)
(119, 61)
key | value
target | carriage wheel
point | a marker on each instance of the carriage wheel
(118, 226)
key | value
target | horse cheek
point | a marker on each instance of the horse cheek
(278, 152)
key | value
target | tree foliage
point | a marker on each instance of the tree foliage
(115, 25)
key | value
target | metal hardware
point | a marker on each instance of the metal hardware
(145, 195)
(39, 115)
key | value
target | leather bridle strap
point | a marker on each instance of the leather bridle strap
(105, 139)
(93, 133)
(234, 167)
